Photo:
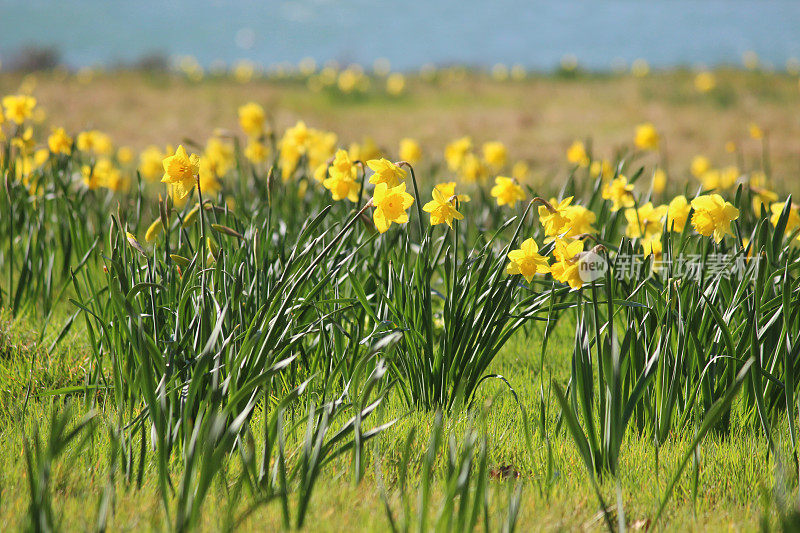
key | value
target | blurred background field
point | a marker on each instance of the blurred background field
(537, 116)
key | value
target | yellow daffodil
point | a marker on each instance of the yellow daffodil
(526, 261)
(576, 154)
(390, 205)
(95, 141)
(495, 154)
(473, 169)
(646, 221)
(603, 169)
(566, 269)
(181, 170)
(620, 192)
(124, 155)
(521, 171)
(59, 142)
(553, 216)
(507, 191)
(762, 197)
(385, 172)
(410, 150)
(792, 223)
(342, 178)
(659, 181)
(252, 119)
(699, 166)
(256, 152)
(150, 166)
(456, 151)
(102, 174)
(18, 108)
(395, 84)
(580, 220)
(646, 137)
(443, 206)
(713, 216)
(704, 81)
(678, 213)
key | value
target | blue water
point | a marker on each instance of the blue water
(536, 34)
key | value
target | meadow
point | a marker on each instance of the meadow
(349, 300)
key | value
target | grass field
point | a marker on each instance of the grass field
(281, 359)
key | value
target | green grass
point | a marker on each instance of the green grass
(734, 478)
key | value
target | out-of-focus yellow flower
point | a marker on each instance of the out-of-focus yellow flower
(243, 71)
(521, 171)
(653, 246)
(755, 131)
(640, 68)
(526, 261)
(390, 205)
(730, 147)
(365, 151)
(678, 213)
(518, 72)
(620, 192)
(705, 81)
(124, 155)
(713, 216)
(384, 171)
(59, 142)
(507, 191)
(395, 84)
(646, 137)
(762, 197)
(443, 206)
(256, 152)
(150, 163)
(209, 177)
(495, 154)
(602, 169)
(700, 165)
(410, 150)
(102, 174)
(181, 170)
(792, 223)
(659, 181)
(728, 176)
(566, 269)
(456, 151)
(297, 135)
(576, 154)
(95, 141)
(342, 181)
(646, 221)
(553, 216)
(24, 141)
(711, 179)
(348, 80)
(252, 119)
(19, 108)
(473, 169)
(218, 156)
